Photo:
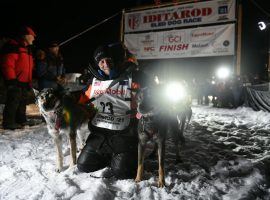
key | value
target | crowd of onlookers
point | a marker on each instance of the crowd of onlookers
(48, 64)
(222, 93)
(48, 68)
(20, 65)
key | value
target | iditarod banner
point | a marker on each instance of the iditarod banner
(196, 42)
(180, 15)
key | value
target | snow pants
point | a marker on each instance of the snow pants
(107, 148)
(15, 105)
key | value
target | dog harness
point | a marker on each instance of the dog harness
(113, 103)
(54, 118)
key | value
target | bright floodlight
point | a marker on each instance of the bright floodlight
(223, 73)
(175, 91)
(156, 80)
(262, 26)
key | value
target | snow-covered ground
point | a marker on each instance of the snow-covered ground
(226, 156)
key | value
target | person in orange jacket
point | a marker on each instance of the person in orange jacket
(17, 66)
(113, 139)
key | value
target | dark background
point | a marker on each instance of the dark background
(60, 20)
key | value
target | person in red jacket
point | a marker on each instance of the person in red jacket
(17, 66)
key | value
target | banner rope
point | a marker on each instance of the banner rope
(88, 29)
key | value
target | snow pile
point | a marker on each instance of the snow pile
(226, 156)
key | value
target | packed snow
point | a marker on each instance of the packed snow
(226, 156)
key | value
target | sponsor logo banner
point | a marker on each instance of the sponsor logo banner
(180, 15)
(196, 42)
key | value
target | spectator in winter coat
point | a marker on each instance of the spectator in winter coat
(50, 68)
(17, 65)
(113, 139)
(3, 41)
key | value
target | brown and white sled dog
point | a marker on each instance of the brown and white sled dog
(157, 124)
(64, 115)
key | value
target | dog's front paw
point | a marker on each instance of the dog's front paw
(161, 183)
(138, 179)
(58, 170)
(59, 166)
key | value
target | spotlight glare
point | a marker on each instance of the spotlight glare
(175, 92)
(156, 80)
(223, 73)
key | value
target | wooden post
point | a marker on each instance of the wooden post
(239, 40)
(122, 26)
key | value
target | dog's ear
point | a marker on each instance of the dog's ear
(36, 92)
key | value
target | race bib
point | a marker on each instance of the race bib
(112, 103)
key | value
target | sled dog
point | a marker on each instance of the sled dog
(63, 115)
(154, 124)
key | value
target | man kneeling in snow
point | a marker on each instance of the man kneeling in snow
(113, 139)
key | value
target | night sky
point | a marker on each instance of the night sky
(60, 20)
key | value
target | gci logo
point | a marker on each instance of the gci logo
(174, 38)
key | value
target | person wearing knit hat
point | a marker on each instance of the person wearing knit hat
(17, 66)
(113, 139)
(110, 59)
(51, 70)
(26, 35)
(101, 52)
(53, 44)
(105, 62)
(26, 30)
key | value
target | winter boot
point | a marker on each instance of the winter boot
(12, 126)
